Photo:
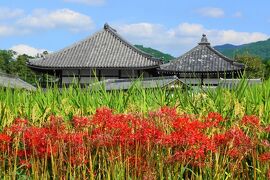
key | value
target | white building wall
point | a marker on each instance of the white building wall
(88, 80)
(69, 80)
(70, 72)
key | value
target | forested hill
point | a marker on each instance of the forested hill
(155, 53)
(261, 49)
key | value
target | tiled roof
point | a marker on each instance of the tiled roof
(105, 49)
(202, 58)
(14, 82)
(124, 84)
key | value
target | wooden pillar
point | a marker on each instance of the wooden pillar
(119, 74)
(61, 79)
(202, 79)
(139, 73)
(79, 76)
(99, 74)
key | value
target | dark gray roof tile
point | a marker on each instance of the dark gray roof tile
(124, 84)
(14, 82)
(202, 58)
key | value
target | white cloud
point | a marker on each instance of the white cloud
(6, 30)
(88, 2)
(235, 37)
(238, 14)
(9, 30)
(187, 29)
(7, 13)
(144, 30)
(183, 37)
(211, 12)
(61, 18)
(25, 49)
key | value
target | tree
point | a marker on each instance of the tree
(20, 68)
(254, 65)
(5, 59)
(267, 69)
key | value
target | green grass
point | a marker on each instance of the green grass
(67, 102)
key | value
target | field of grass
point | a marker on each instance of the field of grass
(78, 133)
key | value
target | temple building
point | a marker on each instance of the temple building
(104, 55)
(202, 65)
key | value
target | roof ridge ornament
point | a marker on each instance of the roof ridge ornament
(204, 40)
(107, 26)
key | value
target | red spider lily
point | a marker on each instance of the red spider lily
(265, 157)
(4, 142)
(20, 121)
(220, 139)
(76, 139)
(265, 143)
(56, 125)
(4, 138)
(267, 129)
(81, 122)
(251, 120)
(194, 157)
(164, 115)
(213, 119)
(234, 153)
(25, 163)
(237, 143)
(22, 153)
(183, 138)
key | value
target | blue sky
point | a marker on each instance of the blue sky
(172, 26)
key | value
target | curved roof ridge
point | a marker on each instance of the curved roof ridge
(223, 56)
(127, 54)
(72, 45)
(114, 32)
(111, 30)
(178, 58)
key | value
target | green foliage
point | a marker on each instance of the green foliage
(5, 59)
(254, 65)
(72, 101)
(261, 49)
(16, 66)
(267, 69)
(20, 69)
(155, 53)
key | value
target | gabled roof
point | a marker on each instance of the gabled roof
(104, 49)
(202, 58)
(14, 82)
(125, 84)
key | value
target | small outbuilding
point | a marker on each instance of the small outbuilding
(169, 82)
(9, 81)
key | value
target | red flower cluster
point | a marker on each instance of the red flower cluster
(251, 120)
(190, 140)
(265, 157)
